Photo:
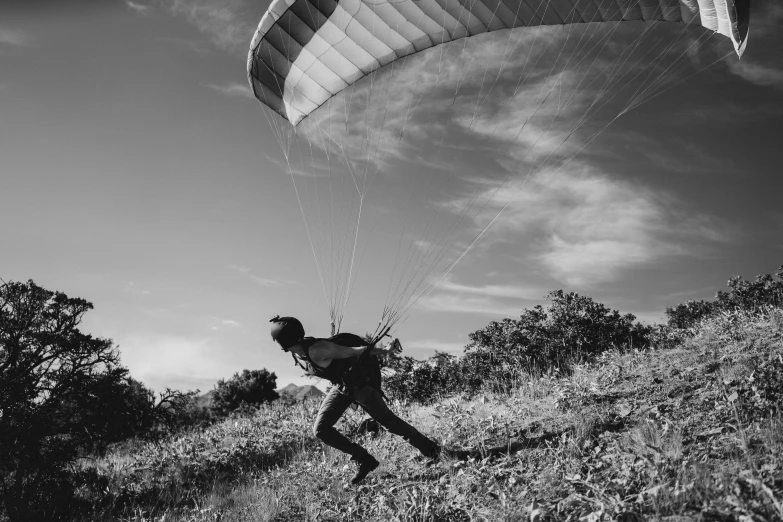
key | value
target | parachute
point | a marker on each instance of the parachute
(304, 52)
(352, 76)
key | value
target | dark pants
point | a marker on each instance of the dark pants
(370, 399)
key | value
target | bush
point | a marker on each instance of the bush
(251, 387)
(748, 296)
(572, 329)
(408, 380)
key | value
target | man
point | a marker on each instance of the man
(348, 362)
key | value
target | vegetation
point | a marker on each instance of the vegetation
(642, 434)
(571, 412)
(65, 397)
(573, 329)
(764, 291)
(250, 388)
(55, 384)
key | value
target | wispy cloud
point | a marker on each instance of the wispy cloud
(766, 75)
(264, 281)
(490, 299)
(235, 89)
(584, 227)
(141, 9)
(220, 323)
(259, 280)
(455, 303)
(228, 23)
(501, 291)
(133, 288)
(14, 37)
(762, 65)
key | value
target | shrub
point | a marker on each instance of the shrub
(409, 380)
(749, 296)
(252, 387)
(572, 329)
(500, 356)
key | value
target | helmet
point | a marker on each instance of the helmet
(287, 331)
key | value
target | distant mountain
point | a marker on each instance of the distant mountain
(205, 401)
(300, 393)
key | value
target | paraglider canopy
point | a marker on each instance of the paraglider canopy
(306, 51)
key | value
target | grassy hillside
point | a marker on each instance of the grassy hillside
(690, 433)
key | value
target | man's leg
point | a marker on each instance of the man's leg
(372, 402)
(332, 408)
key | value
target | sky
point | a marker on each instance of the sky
(137, 172)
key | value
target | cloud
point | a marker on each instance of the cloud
(761, 62)
(225, 322)
(14, 37)
(138, 8)
(235, 89)
(454, 303)
(584, 227)
(133, 288)
(502, 291)
(491, 299)
(760, 74)
(228, 23)
(219, 323)
(262, 281)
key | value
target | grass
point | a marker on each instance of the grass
(689, 433)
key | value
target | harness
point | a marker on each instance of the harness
(351, 373)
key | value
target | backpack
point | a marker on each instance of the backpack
(353, 372)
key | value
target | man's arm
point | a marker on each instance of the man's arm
(325, 350)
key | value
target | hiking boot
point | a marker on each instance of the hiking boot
(366, 465)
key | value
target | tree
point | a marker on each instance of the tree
(130, 409)
(54, 383)
(251, 387)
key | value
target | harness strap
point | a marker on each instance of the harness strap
(298, 363)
